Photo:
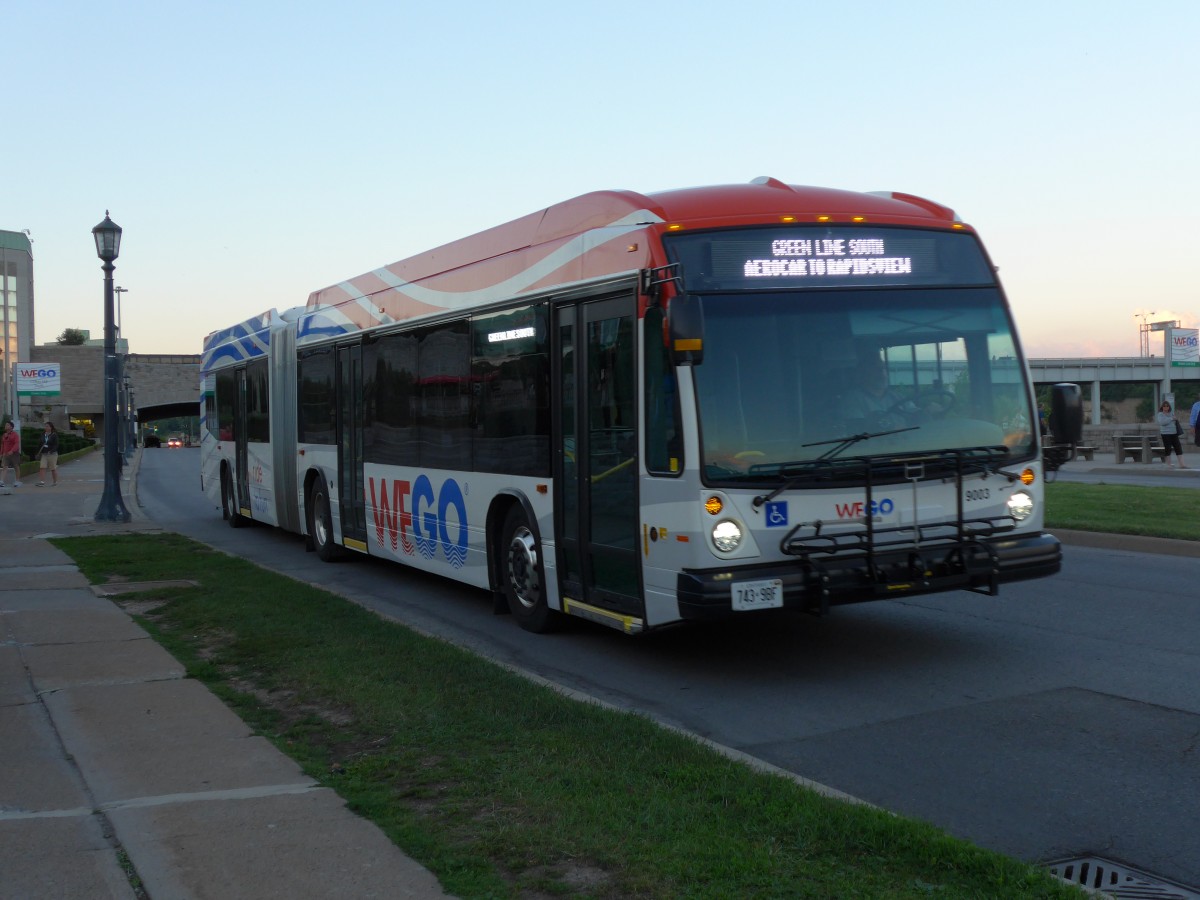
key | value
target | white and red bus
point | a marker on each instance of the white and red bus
(647, 409)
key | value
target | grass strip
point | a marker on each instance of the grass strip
(1123, 509)
(505, 788)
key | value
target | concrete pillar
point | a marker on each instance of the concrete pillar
(1096, 402)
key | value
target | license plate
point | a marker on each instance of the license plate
(749, 595)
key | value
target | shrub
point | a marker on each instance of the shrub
(31, 440)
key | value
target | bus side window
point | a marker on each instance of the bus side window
(226, 390)
(664, 442)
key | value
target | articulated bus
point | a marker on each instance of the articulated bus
(650, 409)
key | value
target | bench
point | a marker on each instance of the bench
(1055, 456)
(1139, 448)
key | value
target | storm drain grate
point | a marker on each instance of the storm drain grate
(1119, 881)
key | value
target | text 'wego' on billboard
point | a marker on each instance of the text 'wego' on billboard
(38, 379)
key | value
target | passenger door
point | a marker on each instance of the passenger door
(241, 457)
(351, 498)
(596, 465)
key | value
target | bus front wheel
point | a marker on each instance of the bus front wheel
(524, 575)
(229, 506)
(320, 523)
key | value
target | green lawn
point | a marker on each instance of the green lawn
(1124, 509)
(506, 788)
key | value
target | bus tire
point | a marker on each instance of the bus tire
(523, 575)
(229, 506)
(320, 523)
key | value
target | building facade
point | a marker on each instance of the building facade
(16, 312)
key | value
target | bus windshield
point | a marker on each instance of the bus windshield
(793, 376)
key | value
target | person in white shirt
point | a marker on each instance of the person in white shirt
(1170, 429)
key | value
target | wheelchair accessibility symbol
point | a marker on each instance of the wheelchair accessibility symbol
(776, 514)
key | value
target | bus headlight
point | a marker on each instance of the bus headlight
(1020, 506)
(727, 535)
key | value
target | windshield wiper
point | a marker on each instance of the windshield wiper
(840, 444)
(844, 442)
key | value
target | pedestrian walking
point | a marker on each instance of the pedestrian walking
(10, 453)
(1195, 422)
(1170, 428)
(48, 454)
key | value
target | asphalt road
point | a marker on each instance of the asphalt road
(1061, 718)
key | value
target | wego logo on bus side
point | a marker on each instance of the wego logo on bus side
(414, 519)
(858, 509)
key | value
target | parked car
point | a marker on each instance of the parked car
(152, 440)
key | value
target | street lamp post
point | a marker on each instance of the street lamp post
(120, 415)
(127, 438)
(133, 420)
(112, 507)
(1144, 332)
(118, 290)
(123, 447)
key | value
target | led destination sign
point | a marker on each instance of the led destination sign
(827, 257)
(803, 258)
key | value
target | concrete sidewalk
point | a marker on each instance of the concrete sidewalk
(1105, 462)
(121, 778)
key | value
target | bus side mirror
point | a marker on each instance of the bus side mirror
(1066, 414)
(685, 330)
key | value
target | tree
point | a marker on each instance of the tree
(72, 337)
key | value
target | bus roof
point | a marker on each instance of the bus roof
(764, 200)
(601, 235)
(768, 200)
(594, 236)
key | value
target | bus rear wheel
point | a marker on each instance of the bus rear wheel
(524, 576)
(229, 506)
(320, 523)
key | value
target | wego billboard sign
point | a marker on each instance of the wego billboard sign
(38, 379)
(1185, 348)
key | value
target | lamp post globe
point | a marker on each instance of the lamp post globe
(108, 239)
(112, 507)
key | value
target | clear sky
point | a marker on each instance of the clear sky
(254, 151)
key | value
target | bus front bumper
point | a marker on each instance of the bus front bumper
(817, 582)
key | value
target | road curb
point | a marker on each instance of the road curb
(1135, 543)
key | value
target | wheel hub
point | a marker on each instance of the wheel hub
(522, 567)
